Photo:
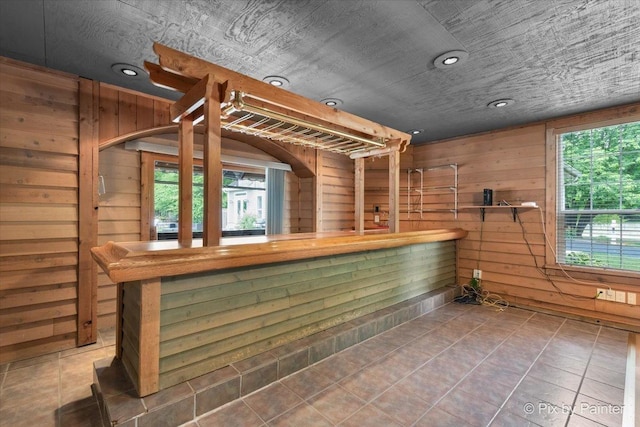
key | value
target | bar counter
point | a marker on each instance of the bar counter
(184, 312)
(143, 260)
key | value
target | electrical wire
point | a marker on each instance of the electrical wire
(471, 294)
(555, 256)
(541, 270)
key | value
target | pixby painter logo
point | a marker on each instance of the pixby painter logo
(581, 408)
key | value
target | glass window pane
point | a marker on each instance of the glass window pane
(598, 192)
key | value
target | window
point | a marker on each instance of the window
(598, 212)
(241, 189)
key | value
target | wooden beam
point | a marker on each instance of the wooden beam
(87, 321)
(212, 229)
(147, 178)
(149, 333)
(359, 195)
(394, 191)
(167, 80)
(119, 306)
(186, 65)
(185, 181)
(319, 196)
(190, 101)
(158, 130)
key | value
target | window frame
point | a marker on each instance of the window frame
(147, 181)
(554, 129)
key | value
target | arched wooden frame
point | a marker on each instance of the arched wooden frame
(298, 166)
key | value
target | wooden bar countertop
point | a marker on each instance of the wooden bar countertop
(124, 262)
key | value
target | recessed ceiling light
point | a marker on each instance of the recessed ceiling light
(451, 58)
(127, 70)
(501, 103)
(332, 102)
(415, 131)
(277, 81)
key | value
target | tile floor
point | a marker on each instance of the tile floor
(53, 390)
(459, 365)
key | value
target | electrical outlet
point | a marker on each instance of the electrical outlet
(610, 295)
(631, 298)
(376, 218)
(477, 274)
(601, 293)
(621, 296)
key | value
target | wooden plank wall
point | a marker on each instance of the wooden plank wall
(209, 320)
(38, 210)
(118, 216)
(376, 192)
(298, 202)
(121, 112)
(335, 209)
(512, 163)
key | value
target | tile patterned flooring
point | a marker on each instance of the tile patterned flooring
(459, 365)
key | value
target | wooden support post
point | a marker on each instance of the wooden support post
(394, 191)
(147, 178)
(87, 320)
(359, 195)
(119, 306)
(319, 190)
(149, 333)
(185, 181)
(212, 163)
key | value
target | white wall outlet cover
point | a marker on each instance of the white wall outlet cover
(631, 298)
(621, 296)
(601, 293)
(611, 295)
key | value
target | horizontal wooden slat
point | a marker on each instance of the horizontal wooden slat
(29, 140)
(26, 350)
(34, 278)
(35, 230)
(118, 227)
(37, 177)
(10, 335)
(45, 311)
(38, 296)
(26, 73)
(17, 248)
(37, 213)
(38, 159)
(49, 196)
(38, 123)
(34, 262)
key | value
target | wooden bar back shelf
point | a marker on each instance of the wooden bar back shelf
(513, 208)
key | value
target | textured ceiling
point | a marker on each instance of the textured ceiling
(554, 57)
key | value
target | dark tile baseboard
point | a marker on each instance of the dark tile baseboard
(181, 403)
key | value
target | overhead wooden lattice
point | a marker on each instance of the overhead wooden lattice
(241, 116)
(254, 107)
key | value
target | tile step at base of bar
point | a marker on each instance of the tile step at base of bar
(187, 401)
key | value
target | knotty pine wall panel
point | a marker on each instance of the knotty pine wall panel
(118, 216)
(38, 211)
(121, 112)
(512, 163)
(337, 180)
